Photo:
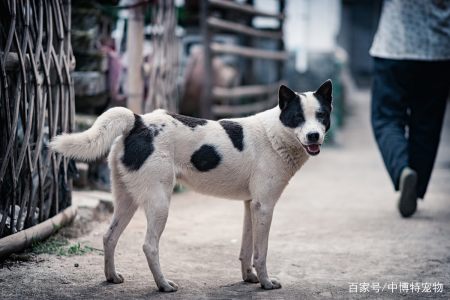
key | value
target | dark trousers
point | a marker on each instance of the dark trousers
(408, 106)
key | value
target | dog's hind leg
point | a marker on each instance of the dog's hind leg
(124, 209)
(157, 210)
(247, 247)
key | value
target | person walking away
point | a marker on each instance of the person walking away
(411, 51)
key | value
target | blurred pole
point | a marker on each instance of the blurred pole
(281, 46)
(205, 100)
(135, 41)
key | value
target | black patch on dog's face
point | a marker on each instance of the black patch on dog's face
(324, 96)
(285, 95)
(291, 109)
(235, 133)
(292, 114)
(323, 116)
(188, 121)
(206, 158)
(138, 144)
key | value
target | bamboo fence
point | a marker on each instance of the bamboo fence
(36, 103)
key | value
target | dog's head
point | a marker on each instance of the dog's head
(307, 114)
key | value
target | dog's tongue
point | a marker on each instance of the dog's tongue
(313, 148)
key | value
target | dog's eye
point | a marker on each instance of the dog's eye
(321, 115)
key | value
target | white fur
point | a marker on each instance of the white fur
(310, 106)
(97, 140)
(257, 175)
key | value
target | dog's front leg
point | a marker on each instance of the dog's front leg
(261, 220)
(247, 247)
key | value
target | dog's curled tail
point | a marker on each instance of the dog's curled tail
(96, 141)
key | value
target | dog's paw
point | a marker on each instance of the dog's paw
(168, 287)
(115, 278)
(251, 278)
(271, 284)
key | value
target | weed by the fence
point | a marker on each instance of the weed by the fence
(61, 247)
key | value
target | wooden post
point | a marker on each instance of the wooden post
(135, 41)
(205, 103)
(281, 64)
(248, 71)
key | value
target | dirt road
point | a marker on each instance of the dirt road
(335, 228)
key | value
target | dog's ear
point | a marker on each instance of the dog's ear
(285, 95)
(325, 91)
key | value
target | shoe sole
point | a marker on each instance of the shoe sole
(408, 197)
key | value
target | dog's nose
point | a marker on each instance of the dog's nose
(313, 137)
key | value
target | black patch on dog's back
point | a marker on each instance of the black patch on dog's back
(206, 158)
(138, 144)
(235, 133)
(292, 115)
(188, 121)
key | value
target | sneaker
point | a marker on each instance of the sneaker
(407, 203)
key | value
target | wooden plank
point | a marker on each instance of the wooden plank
(243, 109)
(217, 23)
(245, 91)
(244, 8)
(248, 51)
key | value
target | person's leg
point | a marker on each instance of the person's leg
(428, 102)
(389, 116)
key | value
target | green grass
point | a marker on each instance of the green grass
(61, 247)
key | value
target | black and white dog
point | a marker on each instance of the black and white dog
(250, 159)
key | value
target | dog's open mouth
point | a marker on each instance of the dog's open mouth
(312, 149)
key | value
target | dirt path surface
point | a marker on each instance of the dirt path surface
(336, 224)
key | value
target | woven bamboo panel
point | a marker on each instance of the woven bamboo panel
(36, 103)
